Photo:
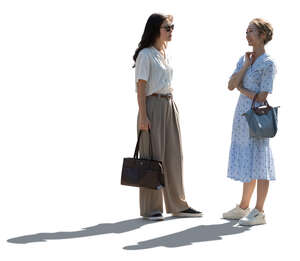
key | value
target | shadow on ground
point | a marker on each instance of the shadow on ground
(187, 237)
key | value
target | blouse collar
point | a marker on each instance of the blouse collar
(153, 48)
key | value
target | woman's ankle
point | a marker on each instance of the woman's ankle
(244, 206)
(260, 209)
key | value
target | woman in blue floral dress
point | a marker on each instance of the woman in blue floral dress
(250, 158)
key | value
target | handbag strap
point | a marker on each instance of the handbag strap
(254, 99)
(138, 143)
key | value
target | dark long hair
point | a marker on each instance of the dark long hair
(151, 32)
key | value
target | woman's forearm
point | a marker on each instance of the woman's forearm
(261, 97)
(141, 96)
(246, 92)
(237, 78)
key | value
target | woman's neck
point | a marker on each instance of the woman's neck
(159, 45)
(258, 50)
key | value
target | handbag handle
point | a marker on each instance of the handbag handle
(138, 143)
(254, 99)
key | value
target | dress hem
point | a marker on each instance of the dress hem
(249, 180)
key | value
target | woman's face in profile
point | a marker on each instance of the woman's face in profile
(253, 37)
(166, 31)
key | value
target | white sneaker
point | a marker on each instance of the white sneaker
(253, 218)
(236, 213)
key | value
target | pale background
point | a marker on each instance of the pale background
(68, 117)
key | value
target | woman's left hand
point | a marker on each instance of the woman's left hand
(240, 86)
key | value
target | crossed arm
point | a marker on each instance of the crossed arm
(236, 81)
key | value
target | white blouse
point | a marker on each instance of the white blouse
(152, 67)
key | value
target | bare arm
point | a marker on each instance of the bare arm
(236, 81)
(237, 78)
(144, 123)
(261, 97)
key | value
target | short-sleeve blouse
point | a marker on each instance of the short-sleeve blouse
(155, 69)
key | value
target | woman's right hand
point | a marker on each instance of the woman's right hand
(144, 123)
(248, 59)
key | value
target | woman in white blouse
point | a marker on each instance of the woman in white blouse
(158, 113)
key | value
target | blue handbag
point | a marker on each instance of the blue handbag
(262, 120)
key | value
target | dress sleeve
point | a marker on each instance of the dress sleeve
(238, 66)
(267, 78)
(142, 67)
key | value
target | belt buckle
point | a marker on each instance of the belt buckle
(169, 96)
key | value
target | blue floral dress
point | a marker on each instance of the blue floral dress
(250, 157)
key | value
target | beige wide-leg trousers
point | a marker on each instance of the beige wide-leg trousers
(166, 147)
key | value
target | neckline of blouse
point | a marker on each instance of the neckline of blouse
(263, 54)
(164, 57)
(254, 64)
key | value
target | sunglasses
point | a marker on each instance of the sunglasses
(168, 27)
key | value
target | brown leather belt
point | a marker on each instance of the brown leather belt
(167, 96)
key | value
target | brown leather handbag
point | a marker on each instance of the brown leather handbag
(146, 173)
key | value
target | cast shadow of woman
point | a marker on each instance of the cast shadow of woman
(186, 237)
